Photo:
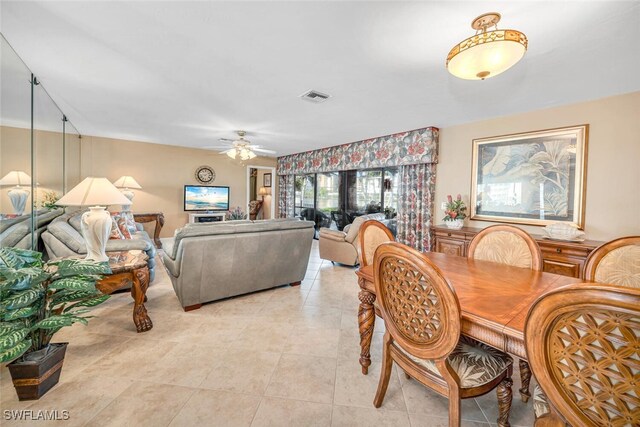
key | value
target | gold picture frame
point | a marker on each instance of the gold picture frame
(535, 178)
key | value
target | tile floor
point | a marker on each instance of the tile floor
(288, 356)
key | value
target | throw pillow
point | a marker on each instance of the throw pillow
(115, 230)
(129, 221)
(122, 226)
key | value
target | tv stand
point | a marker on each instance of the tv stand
(207, 217)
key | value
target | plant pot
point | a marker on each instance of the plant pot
(455, 224)
(32, 379)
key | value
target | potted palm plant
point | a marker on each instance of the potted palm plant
(37, 300)
(455, 212)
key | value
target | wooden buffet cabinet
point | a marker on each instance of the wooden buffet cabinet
(566, 258)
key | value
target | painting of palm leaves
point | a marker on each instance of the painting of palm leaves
(531, 178)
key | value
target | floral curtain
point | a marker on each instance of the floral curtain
(286, 193)
(405, 148)
(416, 195)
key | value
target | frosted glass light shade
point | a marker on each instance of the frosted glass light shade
(487, 55)
(127, 181)
(94, 191)
(16, 178)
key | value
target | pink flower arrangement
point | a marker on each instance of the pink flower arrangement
(455, 209)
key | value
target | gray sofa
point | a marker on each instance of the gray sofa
(208, 262)
(16, 232)
(63, 237)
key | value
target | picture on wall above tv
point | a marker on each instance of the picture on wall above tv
(206, 198)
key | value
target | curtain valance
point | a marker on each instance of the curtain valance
(406, 148)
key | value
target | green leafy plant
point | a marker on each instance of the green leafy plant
(38, 299)
(235, 214)
(455, 209)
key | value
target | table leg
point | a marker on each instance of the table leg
(525, 378)
(366, 322)
(138, 292)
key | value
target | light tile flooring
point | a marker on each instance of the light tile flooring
(287, 356)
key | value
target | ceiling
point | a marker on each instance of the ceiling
(187, 73)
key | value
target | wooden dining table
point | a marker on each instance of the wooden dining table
(494, 300)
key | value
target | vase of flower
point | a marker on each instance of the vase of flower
(455, 212)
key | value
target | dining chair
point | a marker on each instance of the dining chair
(372, 234)
(616, 262)
(506, 244)
(509, 245)
(583, 344)
(421, 313)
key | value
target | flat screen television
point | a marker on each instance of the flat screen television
(206, 198)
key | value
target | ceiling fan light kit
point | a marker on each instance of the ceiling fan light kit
(487, 53)
(242, 148)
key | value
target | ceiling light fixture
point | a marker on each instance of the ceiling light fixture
(487, 53)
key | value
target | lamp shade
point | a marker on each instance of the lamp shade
(263, 191)
(16, 178)
(94, 191)
(127, 181)
(488, 53)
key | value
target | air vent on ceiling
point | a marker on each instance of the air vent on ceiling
(315, 96)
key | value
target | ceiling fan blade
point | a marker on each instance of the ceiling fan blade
(217, 147)
(226, 140)
(226, 151)
(262, 150)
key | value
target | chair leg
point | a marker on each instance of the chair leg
(504, 401)
(385, 371)
(454, 409)
(525, 378)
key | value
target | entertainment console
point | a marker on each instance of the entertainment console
(207, 217)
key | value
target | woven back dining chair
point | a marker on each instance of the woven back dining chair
(422, 317)
(509, 245)
(506, 244)
(372, 234)
(583, 344)
(616, 262)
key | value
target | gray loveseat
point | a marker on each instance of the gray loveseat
(64, 238)
(16, 232)
(208, 262)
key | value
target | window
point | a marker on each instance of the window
(305, 189)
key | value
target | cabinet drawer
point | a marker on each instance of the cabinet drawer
(450, 246)
(452, 234)
(565, 267)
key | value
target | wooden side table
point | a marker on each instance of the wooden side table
(129, 267)
(158, 217)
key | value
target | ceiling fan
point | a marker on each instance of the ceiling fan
(241, 148)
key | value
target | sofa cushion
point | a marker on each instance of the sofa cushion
(75, 220)
(67, 234)
(235, 227)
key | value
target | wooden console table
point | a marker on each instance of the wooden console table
(559, 257)
(129, 267)
(158, 217)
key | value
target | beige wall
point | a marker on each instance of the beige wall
(613, 163)
(162, 171)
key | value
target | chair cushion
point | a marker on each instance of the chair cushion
(621, 267)
(475, 363)
(540, 403)
(505, 248)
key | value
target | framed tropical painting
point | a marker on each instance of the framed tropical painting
(532, 178)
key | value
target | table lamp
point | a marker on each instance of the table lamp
(17, 194)
(263, 191)
(126, 183)
(97, 193)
